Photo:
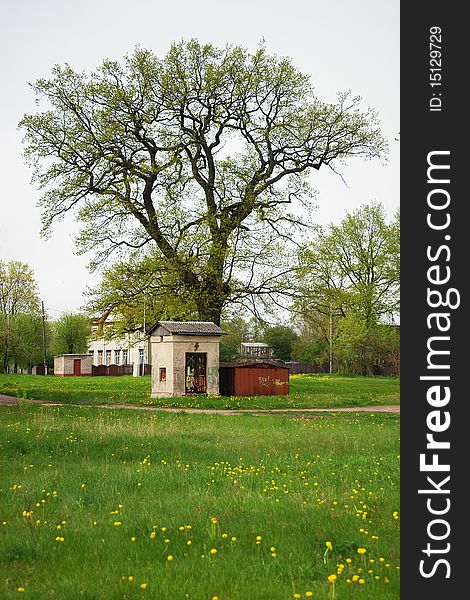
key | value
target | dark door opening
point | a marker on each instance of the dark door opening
(195, 370)
(77, 366)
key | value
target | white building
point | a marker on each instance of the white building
(109, 348)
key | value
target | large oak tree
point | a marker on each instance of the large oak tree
(200, 157)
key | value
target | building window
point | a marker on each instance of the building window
(162, 376)
(141, 356)
(124, 357)
(117, 357)
(108, 357)
(100, 357)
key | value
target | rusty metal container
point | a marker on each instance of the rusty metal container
(253, 378)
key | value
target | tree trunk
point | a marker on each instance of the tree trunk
(210, 313)
(210, 304)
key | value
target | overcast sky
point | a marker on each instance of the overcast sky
(342, 44)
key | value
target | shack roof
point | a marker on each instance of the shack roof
(185, 328)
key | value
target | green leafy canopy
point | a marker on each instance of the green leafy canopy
(200, 158)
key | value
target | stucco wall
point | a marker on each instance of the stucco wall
(63, 365)
(169, 352)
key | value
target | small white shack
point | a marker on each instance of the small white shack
(185, 358)
(67, 365)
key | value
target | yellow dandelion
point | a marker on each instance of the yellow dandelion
(214, 520)
(329, 545)
(361, 550)
(188, 543)
(309, 594)
(361, 581)
(258, 538)
(130, 578)
(213, 550)
(133, 538)
(332, 578)
(296, 595)
(143, 586)
(233, 538)
(20, 589)
(152, 535)
(169, 557)
(225, 536)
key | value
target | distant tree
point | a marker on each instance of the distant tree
(238, 330)
(312, 345)
(27, 345)
(71, 334)
(281, 339)
(18, 296)
(199, 158)
(351, 275)
(365, 350)
(354, 267)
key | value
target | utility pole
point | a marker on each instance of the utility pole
(44, 338)
(145, 340)
(331, 338)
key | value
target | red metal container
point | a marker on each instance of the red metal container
(253, 378)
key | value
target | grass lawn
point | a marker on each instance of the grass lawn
(306, 391)
(94, 502)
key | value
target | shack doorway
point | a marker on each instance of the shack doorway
(77, 367)
(196, 373)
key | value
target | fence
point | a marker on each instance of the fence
(296, 368)
(112, 370)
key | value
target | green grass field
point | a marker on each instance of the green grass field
(121, 504)
(306, 391)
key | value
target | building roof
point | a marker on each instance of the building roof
(254, 363)
(187, 328)
(77, 355)
(255, 345)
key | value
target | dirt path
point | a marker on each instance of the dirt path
(11, 400)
